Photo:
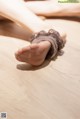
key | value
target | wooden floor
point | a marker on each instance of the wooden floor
(51, 91)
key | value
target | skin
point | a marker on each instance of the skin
(52, 8)
(35, 53)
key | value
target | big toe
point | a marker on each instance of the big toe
(23, 53)
(26, 53)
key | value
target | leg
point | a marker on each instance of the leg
(20, 14)
(53, 8)
(17, 11)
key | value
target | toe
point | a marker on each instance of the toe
(27, 48)
(34, 47)
(23, 54)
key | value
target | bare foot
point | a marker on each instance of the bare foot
(33, 54)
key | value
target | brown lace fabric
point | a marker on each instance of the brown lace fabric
(53, 37)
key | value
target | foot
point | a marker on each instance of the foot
(34, 54)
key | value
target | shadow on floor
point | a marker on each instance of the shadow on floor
(28, 67)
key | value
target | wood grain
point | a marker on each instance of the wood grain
(51, 91)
